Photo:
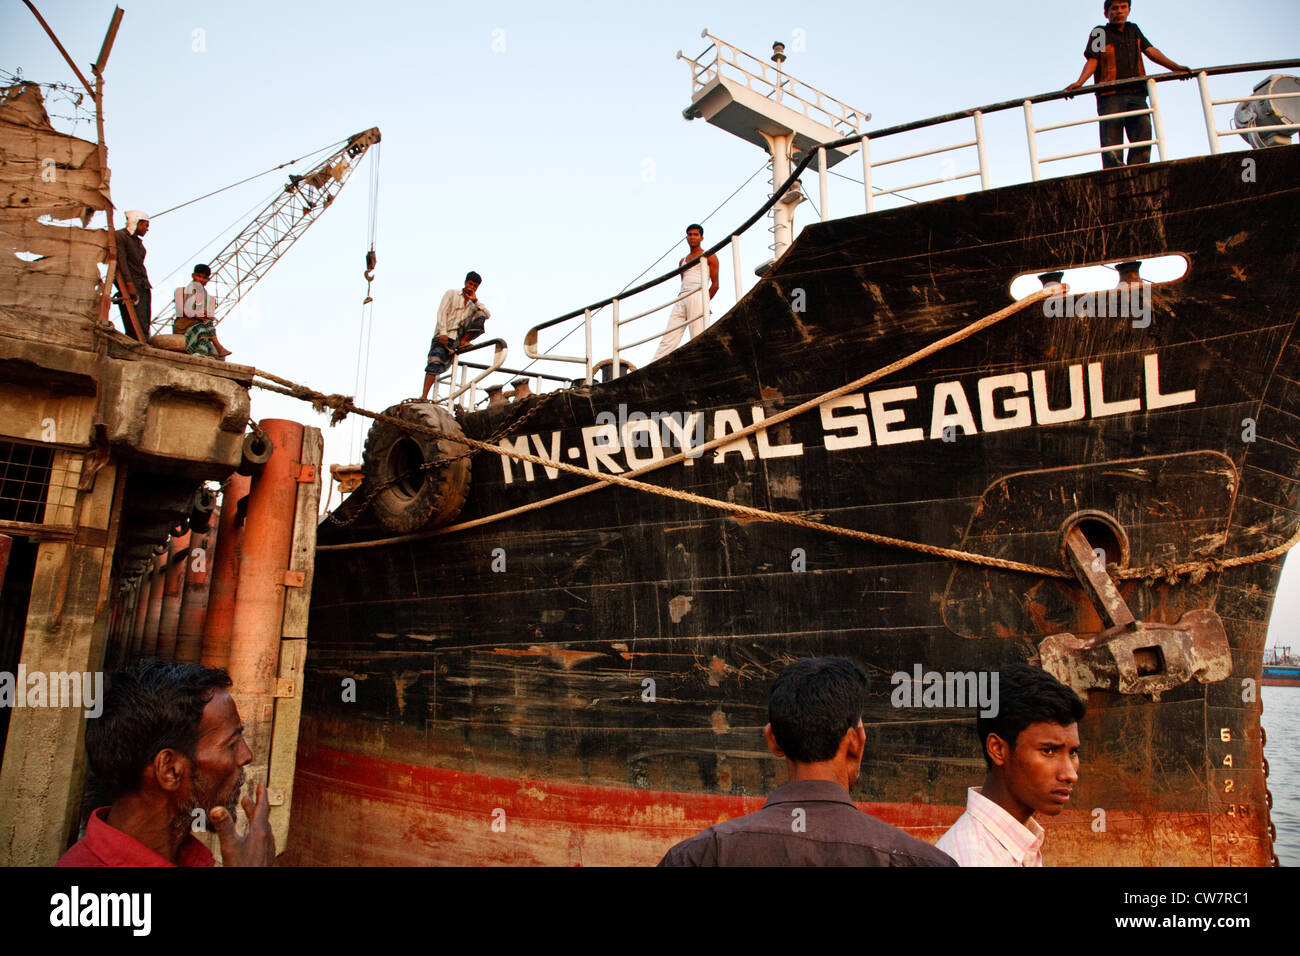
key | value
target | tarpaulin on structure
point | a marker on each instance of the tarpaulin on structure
(48, 269)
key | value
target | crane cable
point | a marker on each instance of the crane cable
(366, 329)
(331, 146)
(676, 243)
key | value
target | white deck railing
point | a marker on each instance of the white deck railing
(966, 123)
(771, 82)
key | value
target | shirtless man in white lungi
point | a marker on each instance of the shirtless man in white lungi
(694, 306)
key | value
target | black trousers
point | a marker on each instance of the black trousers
(1112, 132)
(143, 311)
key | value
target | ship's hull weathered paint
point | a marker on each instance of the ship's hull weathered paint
(606, 690)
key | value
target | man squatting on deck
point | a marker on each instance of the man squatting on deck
(460, 320)
(169, 748)
(1114, 52)
(692, 305)
(1031, 749)
(815, 724)
(130, 263)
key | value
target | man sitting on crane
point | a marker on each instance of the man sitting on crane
(460, 320)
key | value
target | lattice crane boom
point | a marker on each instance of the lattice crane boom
(248, 256)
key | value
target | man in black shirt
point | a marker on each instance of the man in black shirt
(815, 724)
(1114, 52)
(130, 262)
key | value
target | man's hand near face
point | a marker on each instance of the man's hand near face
(254, 848)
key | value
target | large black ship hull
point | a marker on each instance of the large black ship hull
(586, 682)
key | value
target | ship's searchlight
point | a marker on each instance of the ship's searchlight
(1272, 116)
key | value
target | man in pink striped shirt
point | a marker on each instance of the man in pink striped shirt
(1031, 748)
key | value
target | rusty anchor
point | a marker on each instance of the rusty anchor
(1131, 656)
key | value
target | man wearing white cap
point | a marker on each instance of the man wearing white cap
(130, 264)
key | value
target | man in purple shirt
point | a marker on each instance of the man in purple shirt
(815, 726)
(169, 748)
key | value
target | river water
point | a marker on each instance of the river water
(1281, 720)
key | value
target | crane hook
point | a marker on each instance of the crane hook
(371, 261)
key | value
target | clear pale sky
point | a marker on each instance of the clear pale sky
(542, 145)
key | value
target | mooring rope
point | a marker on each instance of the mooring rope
(343, 405)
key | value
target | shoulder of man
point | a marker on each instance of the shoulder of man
(903, 848)
(80, 854)
(699, 850)
(1090, 50)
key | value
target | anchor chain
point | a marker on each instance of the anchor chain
(1268, 794)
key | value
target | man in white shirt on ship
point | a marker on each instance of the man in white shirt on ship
(460, 320)
(694, 306)
(1031, 747)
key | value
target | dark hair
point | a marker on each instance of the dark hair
(203, 269)
(814, 702)
(1105, 7)
(1027, 695)
(149, 706)
(696, 225)
(472, 276)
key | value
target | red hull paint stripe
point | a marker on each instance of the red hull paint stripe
(542, 800)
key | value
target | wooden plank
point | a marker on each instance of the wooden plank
(284, 737)
(297, 601)
(293, 646)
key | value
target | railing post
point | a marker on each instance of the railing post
(979, 148)
(1202, 81)
(704, 295)
(821, 182)
(735, 266)
(866, 169)
(586, 321)
(1157, 123)
(615, 304)
(1033, 144)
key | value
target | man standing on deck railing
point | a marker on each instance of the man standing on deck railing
(460, 320)
(1114, 52)
(693, 305)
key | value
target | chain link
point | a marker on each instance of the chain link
(1268, 794)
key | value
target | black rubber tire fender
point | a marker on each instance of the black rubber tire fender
(412, 497)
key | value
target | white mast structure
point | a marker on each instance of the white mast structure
(764, 105)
